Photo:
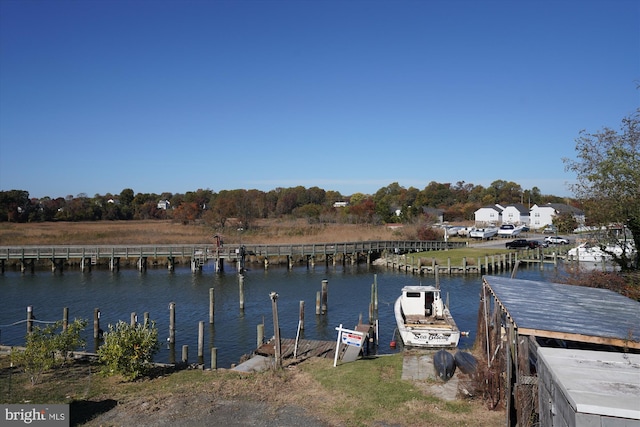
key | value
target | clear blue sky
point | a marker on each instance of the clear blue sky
(173, 96)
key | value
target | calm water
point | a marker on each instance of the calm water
(234, 333)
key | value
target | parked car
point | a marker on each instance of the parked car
(537, 243)
(550, 229)
(522, 244)
(556, 240)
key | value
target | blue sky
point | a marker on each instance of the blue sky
(173, 96)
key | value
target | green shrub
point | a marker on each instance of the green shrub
(45, 348)
(128, 350)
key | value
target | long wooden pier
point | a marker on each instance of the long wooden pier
(200, 254)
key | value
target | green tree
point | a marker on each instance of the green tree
(607, 172)
(128, 350)
(45, 348)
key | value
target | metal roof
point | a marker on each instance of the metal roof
(597, 382)
(569, 312)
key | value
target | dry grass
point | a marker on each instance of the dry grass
(168, 232)
(364, 393)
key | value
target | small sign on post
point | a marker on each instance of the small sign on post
(352, 339)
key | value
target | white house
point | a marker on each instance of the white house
(515, 214)
(543, 215)
(489, 215)
(164, 204)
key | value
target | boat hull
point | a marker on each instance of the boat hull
(426, 336)
(466, 362)
(444, 364)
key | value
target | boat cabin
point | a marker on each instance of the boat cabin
(422, 301)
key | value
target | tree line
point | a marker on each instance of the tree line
(393, 203)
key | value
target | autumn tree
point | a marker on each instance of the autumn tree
(607, 171)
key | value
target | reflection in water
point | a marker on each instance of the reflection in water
(234, 332)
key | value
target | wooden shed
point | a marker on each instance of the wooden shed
(517, 317)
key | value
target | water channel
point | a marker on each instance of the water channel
(234, 332)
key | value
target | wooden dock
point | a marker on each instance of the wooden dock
(306, 349)
(200, 254)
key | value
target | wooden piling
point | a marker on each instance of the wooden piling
(172, 323)
(318, 304)
(96, 323)
(65, 318)
(260, 335)
(301, 315)
(134, 318)
(276, 330)
(185, 354)
(29, 319)
(146, 319)
(212, 305)
(325, 291)
(241, 290)
(200, 342)
(214, 358)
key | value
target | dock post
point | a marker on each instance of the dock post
(276, 329)
(146, 319)
(312, 260)
(65, 318)
(318, 304)
(134, 318)
(96, 323)
(464, 265)
(212, 304)
(260, 335)
(142, 264)
(241, 290)
(172, 323)
(266, 263)
(185, 354)
(214, 358)
(201, 342)
(114, 264)
(171, 263)
(301, 315)
(325, 285)
(29, 319)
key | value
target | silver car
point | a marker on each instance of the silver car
(556, 240)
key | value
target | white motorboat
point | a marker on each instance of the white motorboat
(510, 230)
(424, 320)
(587, 252)
(483, 233)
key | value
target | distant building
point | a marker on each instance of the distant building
(340, 204)
(543, 215)
(164, 204)
(489, 215)
(515, 214)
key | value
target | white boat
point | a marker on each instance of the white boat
(509, 230)
(464, 231)
(484, 233)
(424, 320)
(587, 252)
